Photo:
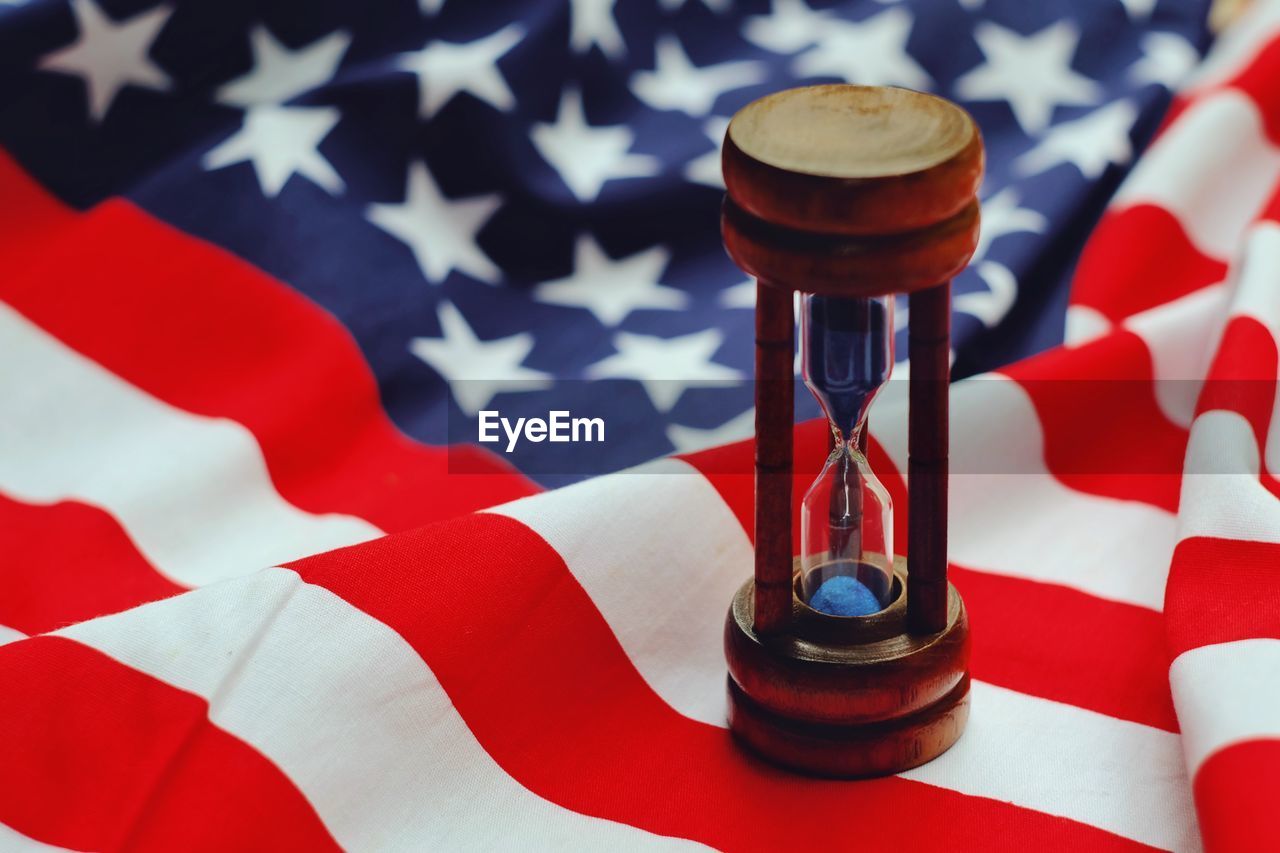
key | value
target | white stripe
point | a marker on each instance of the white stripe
(192, 492)
(9, 635)
(1226, 693)
(661, 526)
(1021, 521)
(1181, 336)
(1259, 274)
(1123, 777)
(1213, 169)
(1222, 494)
(1083, 324)
(349, 712)
(12, 841)
(1257, 295)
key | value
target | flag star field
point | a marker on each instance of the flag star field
(264, 263)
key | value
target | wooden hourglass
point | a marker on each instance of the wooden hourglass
(847, 661)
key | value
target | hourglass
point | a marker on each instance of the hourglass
(848, 660)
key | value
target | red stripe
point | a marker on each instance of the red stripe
(1242, 379)
(1104, 432)
(1222, 590)
(1256, 78)
(97, 756)
(1069, 646)
(209, 333)
(1137, 258)
(544, 686)
(69, 562)
(1247, 81)
(1271, 212)
(1236, 791)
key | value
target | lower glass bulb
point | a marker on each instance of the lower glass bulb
(846, 538)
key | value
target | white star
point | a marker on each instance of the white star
(740, 295)
(1138, 8)
(445, 69)
(714, 5)
(871, 52)
(678, 84)
(612, 289)
(688, 439)
(1033, 73)
(705, 169)
(431, 7)
(591, 23)
(281, 141)
(990, 305)
(476, 370)
(280, 74)
(1167, 58)
(1091, 142)
(109, 55)
(666, 367)
(1001, 215)
(586, 156)
(791, 26)
(441, 233)
(973, 5)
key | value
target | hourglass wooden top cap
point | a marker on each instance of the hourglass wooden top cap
(853, 160)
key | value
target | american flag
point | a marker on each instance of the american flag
(262, 263)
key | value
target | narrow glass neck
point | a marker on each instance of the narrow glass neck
(853, 442)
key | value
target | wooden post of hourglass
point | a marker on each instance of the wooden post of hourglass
(775, 414)
(850, 191)
(929, 349)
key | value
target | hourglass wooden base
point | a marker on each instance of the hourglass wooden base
(848, 696)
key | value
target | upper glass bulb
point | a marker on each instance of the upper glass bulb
(846, 518)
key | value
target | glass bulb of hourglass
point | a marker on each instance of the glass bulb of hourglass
(846, 518)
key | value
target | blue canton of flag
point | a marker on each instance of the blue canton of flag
(499, 199)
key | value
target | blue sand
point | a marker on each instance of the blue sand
(848, 355)
(844, 596)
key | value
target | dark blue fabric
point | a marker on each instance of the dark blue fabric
(151, 145)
